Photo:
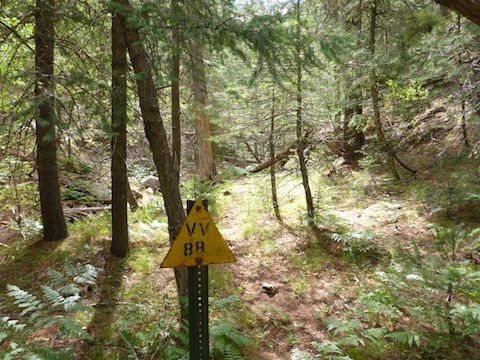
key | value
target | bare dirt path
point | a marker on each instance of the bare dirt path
(270, 252)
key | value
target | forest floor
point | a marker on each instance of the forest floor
(312, 283)
(366, 218)
(312, 280)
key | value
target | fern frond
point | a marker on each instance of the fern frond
(301, 355)
(231, 353)
(405, 337)
(44, 322)
(86, 274)
(52, 296)
(22, 297)
(225, 302)
(374, 334)
(71, 329)
(69, 269)
(57, 277)
(352, 341)
(341, 326)
(11, 324)
(69, 289)
(3, 336)
(327, 347)
(44, 353)
(35, 316)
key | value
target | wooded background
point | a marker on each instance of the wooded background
(98, 96)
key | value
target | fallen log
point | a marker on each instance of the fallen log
(251, 151)
(284, 154)
(279, 157)
(82, 212)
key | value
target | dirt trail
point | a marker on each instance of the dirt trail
(305, 292)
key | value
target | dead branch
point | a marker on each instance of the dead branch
(82, 212)
(290, 150)
(285, 153)
(251, 151)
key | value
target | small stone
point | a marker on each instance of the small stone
(151, 182)
(269, 289)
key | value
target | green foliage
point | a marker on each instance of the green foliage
(418, 286)
(409, 338)
(458, 200)
(18, 193)
(78, 193)
(52, 307)
(353, 336)
(160, 340)
(234, 171)
(421, 22)
(227, 338)
(198, 189)
(163, 340)
(407, 93)
(357, 244)
(469, 317)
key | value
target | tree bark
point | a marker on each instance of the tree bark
(54, 224)
(353, 138)
(206, 165)
(468, 8)
(157, 138)
(299, 122)
(386, 146)
(176, 125)
(271, 141)
(120, 186)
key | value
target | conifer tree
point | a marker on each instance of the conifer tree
(54, 224)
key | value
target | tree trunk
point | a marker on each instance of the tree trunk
(54, 224)
(353, 138)
(176, 126)
(299, 123)
(206, 165)
(157, 138)
(120, 186)
(386, 147)
(464, 126)
(271, 141)
(468, 8)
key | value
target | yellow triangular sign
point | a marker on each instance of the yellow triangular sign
(199, 242)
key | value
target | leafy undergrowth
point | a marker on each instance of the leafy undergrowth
(393, 275)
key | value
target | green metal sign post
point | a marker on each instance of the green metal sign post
(198, 306)
(198, 244)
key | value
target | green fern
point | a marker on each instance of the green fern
(327, 350)
(338, 326)
(19, 351)
(353, 337)
(227, 340)
(469, 316)
(351, 341)
(45, 310)
(301, 355)
(408, 337)
(374, 334)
